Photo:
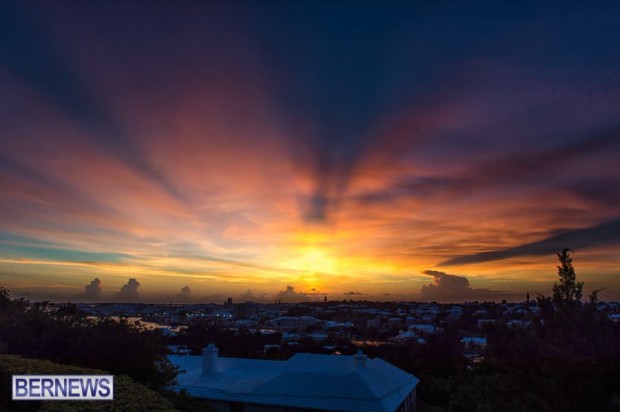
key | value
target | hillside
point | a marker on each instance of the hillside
(128, 395)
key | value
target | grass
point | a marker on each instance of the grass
(128, 395)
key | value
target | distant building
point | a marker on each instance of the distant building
(303, 383)
(221, 313)
(247, 310)
(179, 349)
(424, 328)
(296, 323)
(404, 336)
(318, 337)
(374, 323)
(481, 322)
(394, 322)
(474, 343)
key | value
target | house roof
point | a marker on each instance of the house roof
(311, 381)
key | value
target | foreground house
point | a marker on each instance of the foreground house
(303, 383)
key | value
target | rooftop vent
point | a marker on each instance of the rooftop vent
(359, 359)
(209, 360)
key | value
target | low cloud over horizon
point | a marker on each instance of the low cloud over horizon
(93, 289)
(185, 294)
(455, 288)
(290, 296)
(129, 291)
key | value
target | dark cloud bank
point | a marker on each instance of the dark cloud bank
(606, 233)
(454, 288)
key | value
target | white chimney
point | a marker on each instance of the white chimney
(209, 360)
(359, 360)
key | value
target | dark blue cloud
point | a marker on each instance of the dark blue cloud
(550, 167)
(607, 233)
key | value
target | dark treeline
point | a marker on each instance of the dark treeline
(231, 343)
(566, 359)
(63, 334)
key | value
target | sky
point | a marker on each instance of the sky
(194, 151)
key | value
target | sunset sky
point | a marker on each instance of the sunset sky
(421, 151)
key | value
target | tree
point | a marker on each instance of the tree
(568, 291)
(593, 297)
(62, 333)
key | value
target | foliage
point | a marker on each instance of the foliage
(568, 291)
(566, 359)
(64, 334)
(182, 401)
(233, 343)
(434, 363)
(495, 385)
(593, 296)
(491, 387)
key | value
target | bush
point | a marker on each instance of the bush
(128, 395)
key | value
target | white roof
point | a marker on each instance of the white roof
(474, 340)
(423, 327)
(321, 382)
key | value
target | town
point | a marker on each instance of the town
(398, 356)
(339, 327)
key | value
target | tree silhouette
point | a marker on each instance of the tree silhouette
(63, 334)
(568, 291)
(593, 297)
